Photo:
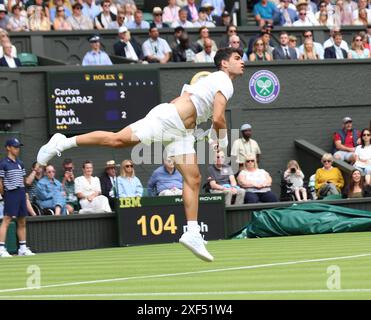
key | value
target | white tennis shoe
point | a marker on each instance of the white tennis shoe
(194, 242)
(50, 150)
(25, 252)
(5, 254)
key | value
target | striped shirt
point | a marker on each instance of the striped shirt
(12, 173)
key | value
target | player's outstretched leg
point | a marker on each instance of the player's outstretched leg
(59, 142)
(192, 239)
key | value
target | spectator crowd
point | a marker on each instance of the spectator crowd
(50, 192)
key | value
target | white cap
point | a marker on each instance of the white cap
(123, 29)
(2, 8)
(245, 126)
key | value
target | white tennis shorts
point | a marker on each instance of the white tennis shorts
(163, 124)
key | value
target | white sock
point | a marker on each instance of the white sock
(66, 144)
(22, 245)
(193, 226)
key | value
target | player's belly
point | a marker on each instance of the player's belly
(186, 110)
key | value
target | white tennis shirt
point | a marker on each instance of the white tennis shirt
(204, 91)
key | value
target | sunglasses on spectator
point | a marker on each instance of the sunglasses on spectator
(68, 168)
(220, 157)
(260, 44)
(307, 36)
(250, 160)
(233, 31)
(129, 166)
(327, 161)
(366, 135)
(302, 14)
(358, 39)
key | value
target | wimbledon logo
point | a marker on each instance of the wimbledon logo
(264, 86)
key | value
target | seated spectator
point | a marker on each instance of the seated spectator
(89, 191)
(8, 60)
(37, 172)
(50, 194)
(39, 21)
(244, 146)
(120, 21)
(90, 9)
(3, 40)
(192, 10)
(77, 20)
(365, 40)
(303, 20)
(60, 22)
(224, 20)
(235, 42)
(217, 7)
(259, 52)
(4, 19)
(325, 20)
(166, 180)
(204, 34)
(362, 19)
(207, 54)
(283, 51)
(265, 12)
(295, 177)
(335, 32)
(287, 13)
(127, 47)
(156, 49)
(96, 57)
(346, 141)
(362, 154)
(362, 5)
(318, 48)
(53, 10)
(106, 17)
(129, 10)
(178, 31)
(309, 52)
(329, 180)
(336, 51)
(138, 22)
(256, 182)
(68, 184)
(128, 184)
(324, 16)
(184, 51)
(202, 19)
(108, 182)
(293, 44)
(265, 34)
(222, 180)
(343, 13)
(17, 22)
(182, 20)
(357, 50)
(357, 188)
(230, 31)
(171, 12)
(157, 19)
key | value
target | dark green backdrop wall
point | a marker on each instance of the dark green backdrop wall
(314, 98)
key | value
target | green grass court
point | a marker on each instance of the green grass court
(267, 268)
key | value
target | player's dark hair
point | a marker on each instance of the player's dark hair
(225, 54)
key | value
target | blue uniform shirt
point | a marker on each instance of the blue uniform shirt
(99, 58)
(13, 173)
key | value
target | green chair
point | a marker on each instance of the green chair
(28, 59)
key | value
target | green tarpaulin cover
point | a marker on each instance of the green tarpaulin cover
(306, 218)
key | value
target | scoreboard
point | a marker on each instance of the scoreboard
(80, 102)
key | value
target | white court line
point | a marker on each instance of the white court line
(69, 284)
(197, 293)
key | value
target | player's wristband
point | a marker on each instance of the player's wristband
(223, 143)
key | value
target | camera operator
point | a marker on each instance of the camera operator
(68, 183)
(295, 177)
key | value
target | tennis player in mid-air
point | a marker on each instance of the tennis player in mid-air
(173, 124)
